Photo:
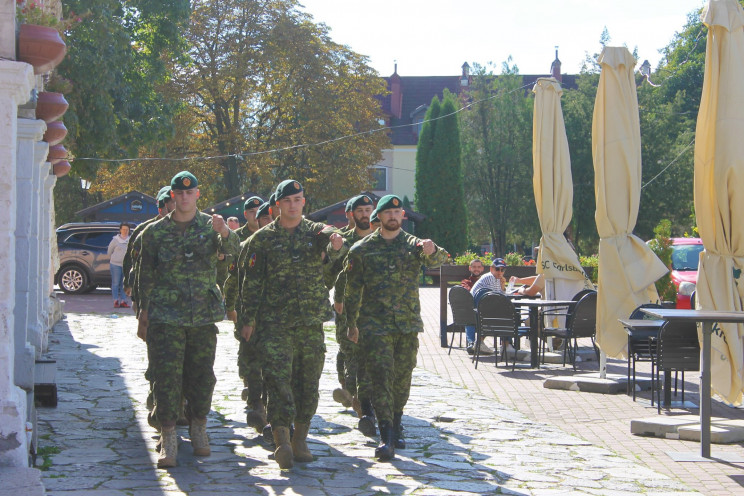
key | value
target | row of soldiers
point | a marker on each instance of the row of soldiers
(277, 295)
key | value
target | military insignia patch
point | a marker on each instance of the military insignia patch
(296, 185)
(252, 261)
(255, 202)
(395, 202)
(232, 267)
(350, 265)
(186, 182)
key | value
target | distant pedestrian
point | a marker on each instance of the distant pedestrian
(383, 309)
(117, 249)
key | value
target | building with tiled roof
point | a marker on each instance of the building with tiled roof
(405, 107)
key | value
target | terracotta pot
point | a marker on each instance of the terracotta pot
(50, 106)
(56, 154)
(61, 168)
(55, 132)
(40, 46)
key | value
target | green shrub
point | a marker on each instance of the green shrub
(661, 245)
(591, 261)
(514, 258)
(469, 256)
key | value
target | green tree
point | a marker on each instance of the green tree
(442, 198)
(497, 156)
(424, 176)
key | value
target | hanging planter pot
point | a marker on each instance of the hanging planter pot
(56, 154)
(55, 133)
(40, 46)
(61, 168)
(50, 106)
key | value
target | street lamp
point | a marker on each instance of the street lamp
(85, 184)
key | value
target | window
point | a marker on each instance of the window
(379, 178)
(99, 239)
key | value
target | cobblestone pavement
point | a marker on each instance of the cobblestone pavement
(459, 442)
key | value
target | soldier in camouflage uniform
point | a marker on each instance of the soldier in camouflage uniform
(351, 376)
(382, 305)
(264, 215)
(179, 305)
(249, 361)
(225, 261)
(284, 296)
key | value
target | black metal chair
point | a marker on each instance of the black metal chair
(463, 313)
(677, 349)
(497, 317)
(581, 322)
(561, 312)
(641, 349)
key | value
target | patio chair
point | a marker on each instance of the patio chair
(463, 313)
(581, 322)
(497, 317)
(561, 312)
(677, 349)
(641, 349)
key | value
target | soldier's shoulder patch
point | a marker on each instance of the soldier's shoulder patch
(252, 260)
(232, 267)
(350, 265)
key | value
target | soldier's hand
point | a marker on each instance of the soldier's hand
(353, 334)
(428, 247)
(142, 326)
(218, 225)
(232, 315)
(220, 256)
(338, 307)
(128, 291)
(336, 241)
(246, 332)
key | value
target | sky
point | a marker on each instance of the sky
(435, 37)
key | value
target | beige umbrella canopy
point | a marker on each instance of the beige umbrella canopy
(719, 190)
(553, 186)
(627, 266)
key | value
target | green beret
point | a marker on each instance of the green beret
(349, 202)
(184, 180)
(287, 188)
(373, 217)
(388, 202)
(163, 196)
(361, 201)
(263, 209)
(252, 202)
(272, 200)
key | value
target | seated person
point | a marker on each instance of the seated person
(476, 270)
(533, 285)
(492, 282)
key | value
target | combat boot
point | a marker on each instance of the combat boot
(299, 443)
(400, 441)
(341, 395)
(199, 437)
(386, 450)
(256, 416)
(283, 452)
(367, 422)
(168, 447)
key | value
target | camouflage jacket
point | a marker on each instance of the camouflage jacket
(339, 287)
(283, 278)
(133, 250)
(232, 282)
(177, 272)
(382, 294)
(331, 269)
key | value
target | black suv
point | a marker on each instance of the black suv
(83, 255)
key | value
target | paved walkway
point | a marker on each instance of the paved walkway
(462, 440)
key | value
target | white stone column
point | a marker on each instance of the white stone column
(33, 323)
(31, 151)
(16, 81)
(47, 231)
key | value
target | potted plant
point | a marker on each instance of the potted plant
(55, 133)
(39, 40)
(61, 168)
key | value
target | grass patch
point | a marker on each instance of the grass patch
(46, 453)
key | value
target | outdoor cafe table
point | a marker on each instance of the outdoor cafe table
(707, 318)
(645, 329)
(534, 309)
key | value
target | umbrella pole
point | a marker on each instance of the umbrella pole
(602, 365)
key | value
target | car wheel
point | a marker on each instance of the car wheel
(73, 280)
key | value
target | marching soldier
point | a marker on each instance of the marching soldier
(179, 305)
(383, 309)
(283, 296)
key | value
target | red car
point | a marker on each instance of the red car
(685, 259)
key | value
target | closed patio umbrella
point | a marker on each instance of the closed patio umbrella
(553, 188)
(627, 266)
(719, 190)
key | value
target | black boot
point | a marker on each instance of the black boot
(400, 441)
(367, 421)
(386, 450)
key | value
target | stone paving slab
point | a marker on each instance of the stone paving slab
(459, 442)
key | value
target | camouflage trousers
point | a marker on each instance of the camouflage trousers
(249, 368)
(181, 361)
(348, 361)
(390, 360)
(292, 361)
